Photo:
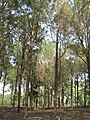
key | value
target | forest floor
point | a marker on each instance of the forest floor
(77, 113)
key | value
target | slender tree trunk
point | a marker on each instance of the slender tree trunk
(14, 96)
(37, 101)
(19, 87)
(17, 76)
(31, 95)
(71, 93)
(44, 95)
(30, 53)
(26, 97)
(56, 74)
(51, 96)
(0, 73)
(29, 80)
(3, 91)
(85, 95)
(23, 96)
(39, 98)
(12, 89)
(59, 79)
(77, 91)
(88, 53)
(88, 65)
(21, 70)
(62, 89)
(48, 94)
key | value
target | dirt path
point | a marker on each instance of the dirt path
(8, 113)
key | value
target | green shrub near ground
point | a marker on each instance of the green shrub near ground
(7, 99)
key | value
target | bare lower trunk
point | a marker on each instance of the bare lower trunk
(56, 74)
(44, 95)
(23, 96)
(88, 65)
(77, 91)
(48, 94)
(71, 93)
(14, 96)
(19, 88)
(3, 92)
(31, 96)
(51, 96)
(85, 95)
(26, 98)
(62, 90)
(16, 81)
(59, 79)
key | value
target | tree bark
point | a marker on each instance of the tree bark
(23, 96)
(20, 71)
(19, 87)
(17, 76)
(26, 96)
(56, 74)
(88, 65)
(48, 94)
(59, 78)
(12, 89)
(51, 96)
(29, 80)
(44, 95)
(3, 91)
(62, 89)
(31, 95)
(85, 95)
(71, 93)
(14, 96)
(77, 91)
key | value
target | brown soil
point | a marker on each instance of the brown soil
(79, 113)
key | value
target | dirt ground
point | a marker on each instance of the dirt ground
(81, 113)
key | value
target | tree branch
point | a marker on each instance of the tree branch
(81, 58)
(84, 6)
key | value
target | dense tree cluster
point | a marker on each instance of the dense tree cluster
(45, 52)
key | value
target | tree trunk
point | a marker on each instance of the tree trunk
(26, 96)
(88, 65)
(56, 74)
(88, 53)
(17, 76)
(62, 89)
(59, 78)
(19, 87)
(0, 73)
(71, 93)
(14, 96)
(48, 94)
(3, 91)
(77, 91)
(85, 94)
(51, 96)
(37, 102)
(23, 96)
(31, 95)
(21, 71)
(29, 80)
(44, 95)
